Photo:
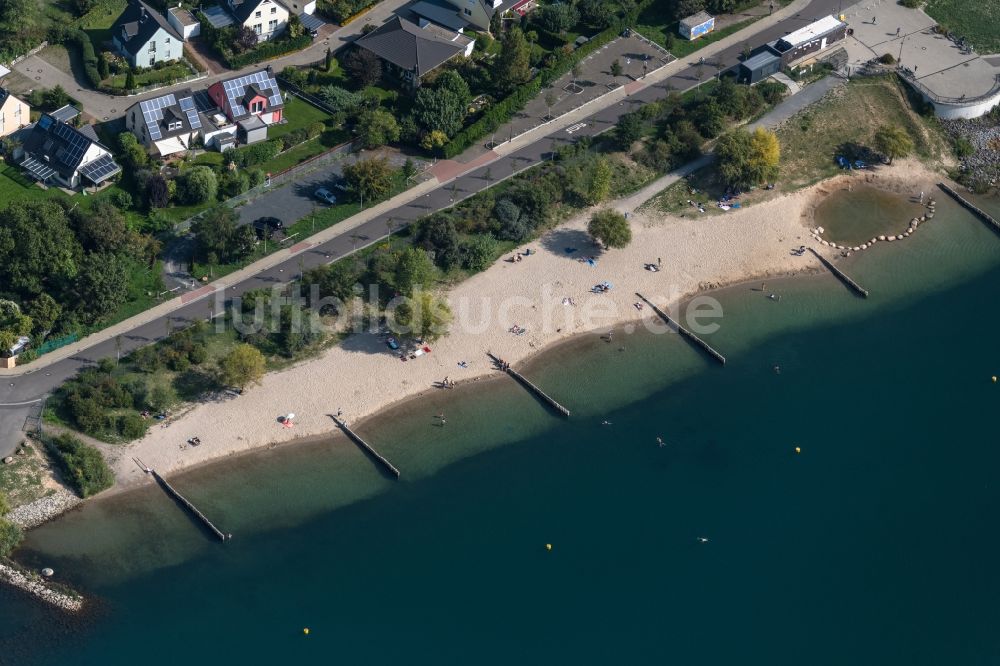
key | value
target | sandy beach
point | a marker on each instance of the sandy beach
(548, 294)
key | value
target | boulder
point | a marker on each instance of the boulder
(891, 238)
(882, 238)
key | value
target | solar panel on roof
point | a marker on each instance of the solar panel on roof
(236, 88)
(45, 122)
(100, 169)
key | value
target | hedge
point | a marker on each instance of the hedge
(256, 153)
(89, 57)
(267, 50)
(345, 11)
(505, 109)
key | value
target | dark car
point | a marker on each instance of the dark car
(266, 226)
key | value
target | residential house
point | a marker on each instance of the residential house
(144, 37)
(54, 152)
(255, 94)
(267, 18)
(410, 51)
(14, 114)
(166, 124)
(477, 12)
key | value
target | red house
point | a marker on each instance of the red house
(255, 94)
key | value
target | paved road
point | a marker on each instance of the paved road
(44, 379)
(107, 107)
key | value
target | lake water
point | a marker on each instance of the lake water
(853, 217)
(876, 544)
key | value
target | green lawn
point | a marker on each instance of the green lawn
(299, 114)
(304, 151)
(98, 21)
(978, 22)
(176, 70)
(14, 186)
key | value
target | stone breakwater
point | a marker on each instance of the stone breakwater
(848, 250)
(35, 585)
(41, 510)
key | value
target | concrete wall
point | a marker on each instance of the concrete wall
(957, 111)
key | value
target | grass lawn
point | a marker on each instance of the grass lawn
(978, 22)
(304, 151)
(15, 187)
(21, 480)
(177, 70)
(98, 21)
(812, 139)
(299, 114)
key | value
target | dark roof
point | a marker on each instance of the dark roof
(440, 13)
(159, 112)
(140, 22)
(408, 46)
(760, 60)
(58, 145)
(242, 9)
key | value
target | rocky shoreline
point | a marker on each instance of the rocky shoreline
(42, 510)
(35, 585)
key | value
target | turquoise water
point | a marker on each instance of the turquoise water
(858, 215)
(876, 544)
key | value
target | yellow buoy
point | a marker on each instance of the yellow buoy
(798, 449)
(548, 546)
(994, 379)
(306, 631)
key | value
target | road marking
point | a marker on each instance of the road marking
(20, 404)
(575, 128)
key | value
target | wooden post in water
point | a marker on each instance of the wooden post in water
(539, 393)
(983, 215)
(698, 342)
(844, 277)
(365, 446)
(170, 490)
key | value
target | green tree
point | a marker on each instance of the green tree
(598, 13)
(363, 66)
(243, 366)
(377, 128)
(370, 178)
(616, 69)
(610, 228)
(102, 66)
(104, 228)
(893, 141)
(214, 231)
(600, 182)
(479, 253)
(130, 80)
(628, 130)
(198, 185)
(440, 108)
(513, 65)
(84, 465)
(414, 269)
(38, 249)
(422, 316)
(745, 159)
(496, 24)
(101, 286)
(557, 18)
(44, 311)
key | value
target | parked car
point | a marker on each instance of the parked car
(325, 196)
(266, 226)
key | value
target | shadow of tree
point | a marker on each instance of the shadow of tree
(573, 244)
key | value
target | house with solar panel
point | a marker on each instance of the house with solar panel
(56, 153)
(166, 124)
(252, 102)
(144, 37)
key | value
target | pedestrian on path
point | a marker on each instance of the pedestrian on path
(897, 31)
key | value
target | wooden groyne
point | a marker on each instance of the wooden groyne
(698, 342)
(982, 214)
(183, 501)
(844, 277)
(366, 447)
(538, 393)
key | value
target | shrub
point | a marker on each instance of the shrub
(83, 465)
(90, 68)
(610, 228)
(198, 185)
(10, 537)
(256, 153)
(478, 254)
(963, 147)
(912, 4)
(132, 426)
(887, 59)
(266, 51)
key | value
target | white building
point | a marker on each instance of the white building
(144, 37)
(267, 18)
(166, 124)
(14, 114)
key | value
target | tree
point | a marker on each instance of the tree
(377, 128)
(130, 80)
(244, 39)
(550, 101)
(103, 228)
(414, 269)
(101, 286)
(214, 231)
(44, 312)
(893, 141)
(600, 182)
(610, 228)
(557, 18)
(422, 316)
(598, 13)
(157, 191)
(38, 249)
(513, 65)
(243, 366)
(628, 130)
(496, 24)
(443, 107)
(616, 69)
(409, 169)
(295, 27)
(687, 8)
(370, 178)
(198, 185)
(363, 66)
(244, 240)
(747, 159)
